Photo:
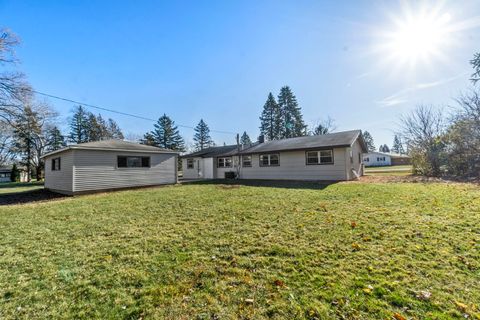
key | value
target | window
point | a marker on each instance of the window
(133, 162)
(224, 162)
(189, 163)
(246, 161)
(367, 159)
(320, 157)
(56, 164)
(269, 160)
(380, 158)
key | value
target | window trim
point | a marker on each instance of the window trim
(193, 163)
(319, 163)
(269, 156)
(135, 168)
(224, 166)
(53, 167)
(251, 161)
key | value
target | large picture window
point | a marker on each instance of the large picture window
(224, 162)
(269, 160)
(56, 164)
(319, 157)
(133, 162)
(246, 161)
(189, 163)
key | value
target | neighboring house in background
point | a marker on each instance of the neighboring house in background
(106, 165)
(335, 156)
(377, 159)
(6, 173)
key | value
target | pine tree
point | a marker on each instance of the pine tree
(54, 140)
(292, 119)
(245, 139)
(114, 131)
(202, 137)
(367, 137)
(148, 139)
(166, 134)
(271, 119)
(27, 129)
(79, 127)
(15, 173)
(397, 145)
(384, 148)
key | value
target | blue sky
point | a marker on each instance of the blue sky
(218, 60)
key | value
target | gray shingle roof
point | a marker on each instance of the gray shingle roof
(337, 139)
(212, 152)
(114, 145)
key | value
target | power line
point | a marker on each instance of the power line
(117, 112)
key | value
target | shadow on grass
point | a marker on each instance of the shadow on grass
(30, 196)
(20, 184)
(289, 184)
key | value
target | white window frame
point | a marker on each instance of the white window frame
(320, 157)
(226, 162)
(190, 163)
(135, 167)
(248, 161)
(269, 157)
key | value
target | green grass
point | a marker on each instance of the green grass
(402, 170)
(206, 251)
(16, 187)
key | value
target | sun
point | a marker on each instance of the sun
(420, 38)
(421, 35)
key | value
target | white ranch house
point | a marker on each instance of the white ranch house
(333, 157)
(378, 159)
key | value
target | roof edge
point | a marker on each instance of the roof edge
(105, 149)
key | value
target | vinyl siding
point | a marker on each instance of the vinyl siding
(293, 167)
(192, 173)
(61, 180)
(356, 150)
(97, 170)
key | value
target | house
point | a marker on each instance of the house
(335, 156)
(106, 165)
(377, 159)
(6, 173)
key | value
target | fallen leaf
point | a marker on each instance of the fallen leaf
(424, 295)
(398, 316)
(461, 306)
(355, 246)
(279, 283)
(353, 224)
(249, 301)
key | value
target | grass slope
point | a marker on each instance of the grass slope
(350, 250)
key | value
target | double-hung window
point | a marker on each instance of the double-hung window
(320, 157)
(56, 164)
(189, 163)
(224, 162)
(269, 160)
(133, 162)
(246, 161)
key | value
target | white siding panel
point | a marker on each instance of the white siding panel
(61, 180)
(194, 173)
(293, 167)
(97, 170)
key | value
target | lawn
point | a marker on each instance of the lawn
(210, 251)
(17, 187)
(402, 170)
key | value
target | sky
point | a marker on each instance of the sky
(362, 63)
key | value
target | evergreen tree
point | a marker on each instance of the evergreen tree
(245, 139)
(166, 134)
(27, 129)
(292, 119)
(148, 139)
(397, 145)
(202, 137)
(15, 173)
(114, 131)
(79, 126)
(367, 137)
(95, 130)
(54, 139)
(271, 119)
(384, 148)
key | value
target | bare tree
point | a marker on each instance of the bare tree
(6, 143)
(14, 90)
(323, 127)
(422, 131)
